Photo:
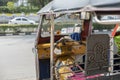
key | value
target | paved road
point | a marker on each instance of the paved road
(16, 58)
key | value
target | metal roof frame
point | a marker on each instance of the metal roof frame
(70, 6)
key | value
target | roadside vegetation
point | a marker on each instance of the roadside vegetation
(6, 28)
(13, 6)
(101, 27)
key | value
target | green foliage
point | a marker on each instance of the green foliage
(38, 3)
(117, 41)
(4, 27)
(3, 2)
(101, 27)
(4, 9)
(59, 26)
(7, 6)
(10, 6)
(16, 25)
(21, 9)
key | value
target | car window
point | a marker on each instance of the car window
(18, 19)
(23, 19)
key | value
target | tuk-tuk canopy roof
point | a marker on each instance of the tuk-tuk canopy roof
(83, 5)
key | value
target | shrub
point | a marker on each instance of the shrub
(101, 27)
(4, 27)
(4, 9)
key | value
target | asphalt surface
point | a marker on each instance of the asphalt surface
(17, 62)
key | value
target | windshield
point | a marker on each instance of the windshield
(65, 24)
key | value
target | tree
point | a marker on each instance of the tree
(43, 3)
(4, 2)
(39, 3)
(10, 6)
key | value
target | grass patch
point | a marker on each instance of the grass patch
(17, 14)
(15, 28)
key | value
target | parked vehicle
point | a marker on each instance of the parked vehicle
(21, 20)
(4, 19)
(76, 53)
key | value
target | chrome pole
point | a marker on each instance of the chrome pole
(105, 21)
(111, 54)
(51, 45)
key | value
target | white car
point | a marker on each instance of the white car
(21, 20)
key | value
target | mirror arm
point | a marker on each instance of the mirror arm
(105, 21)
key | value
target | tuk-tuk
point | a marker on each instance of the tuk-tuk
(66, 46)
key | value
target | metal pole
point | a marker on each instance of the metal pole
(36, 64)
(111, 53)
(51, 46)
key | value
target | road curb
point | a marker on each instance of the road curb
(104, 30)
(21, 34)
(31, 33)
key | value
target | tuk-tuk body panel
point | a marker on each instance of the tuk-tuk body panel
(69, 55)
